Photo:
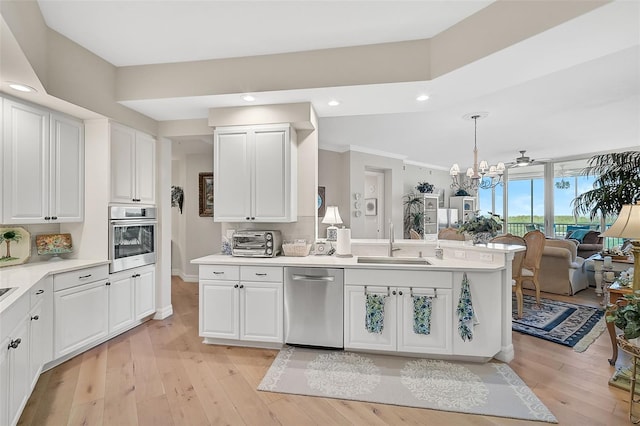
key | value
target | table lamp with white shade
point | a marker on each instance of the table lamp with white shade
(627, 225)
(332, 217)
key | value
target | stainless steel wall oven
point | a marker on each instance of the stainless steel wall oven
(132, 237)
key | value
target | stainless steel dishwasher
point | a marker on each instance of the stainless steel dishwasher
(313, 307)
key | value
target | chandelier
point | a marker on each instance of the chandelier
(481, 175)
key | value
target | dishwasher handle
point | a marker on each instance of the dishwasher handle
(327, 278)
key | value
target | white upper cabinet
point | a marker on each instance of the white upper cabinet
(255, 174)
(43, 165)
(133, 166)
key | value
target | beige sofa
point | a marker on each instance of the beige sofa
(561, 269)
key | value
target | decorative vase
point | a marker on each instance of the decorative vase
(482, 237)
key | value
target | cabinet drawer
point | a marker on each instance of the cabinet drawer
(219, 272)
(261, 273)
(38, 291)
(397, 278)
(80, 276)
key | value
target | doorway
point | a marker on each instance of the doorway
(374, 202)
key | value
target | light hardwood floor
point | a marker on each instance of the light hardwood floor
(161, 374)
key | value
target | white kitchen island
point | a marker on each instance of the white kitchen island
(241, 299)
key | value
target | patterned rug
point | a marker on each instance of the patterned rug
(565, 323)
(491, 389)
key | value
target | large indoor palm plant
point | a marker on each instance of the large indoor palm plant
(617, 182)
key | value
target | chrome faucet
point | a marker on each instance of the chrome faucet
(391, 239)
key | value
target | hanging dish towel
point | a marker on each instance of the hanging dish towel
(466, 315)
(422, 314)
(374, 321)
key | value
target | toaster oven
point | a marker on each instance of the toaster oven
(252, 243)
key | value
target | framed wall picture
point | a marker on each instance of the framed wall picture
(205, 195)
(322, 206)
(371, 207)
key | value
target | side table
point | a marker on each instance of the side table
(615, 292)
(634, 351)
(598, 269)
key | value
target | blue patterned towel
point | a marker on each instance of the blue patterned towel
(466, 315)
(422, 314)
(374, 321)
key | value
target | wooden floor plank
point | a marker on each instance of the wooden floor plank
(161, 373)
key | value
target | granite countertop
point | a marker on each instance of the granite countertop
(23, 277)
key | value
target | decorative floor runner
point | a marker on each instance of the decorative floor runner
(491, 389)
(560, 322)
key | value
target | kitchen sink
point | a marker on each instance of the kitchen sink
(6, 291)
(393, 260)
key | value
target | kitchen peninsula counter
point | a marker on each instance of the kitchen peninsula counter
(225, 281)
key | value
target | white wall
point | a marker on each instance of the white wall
(194, 236)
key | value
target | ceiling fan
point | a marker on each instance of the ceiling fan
(524, 160)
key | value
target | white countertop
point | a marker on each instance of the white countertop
(23, 277)
(343, 262)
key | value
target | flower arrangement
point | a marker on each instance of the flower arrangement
(479, 223)
(424, 187)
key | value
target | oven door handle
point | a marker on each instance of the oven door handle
(133, 222)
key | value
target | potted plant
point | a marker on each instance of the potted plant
(413, 213)
(617, 183)
(424, 187)
(626, 316)
(482, 228)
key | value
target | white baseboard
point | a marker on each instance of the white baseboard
(163, 313)
(184, 277)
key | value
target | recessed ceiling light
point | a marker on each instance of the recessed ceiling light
(22, 87)
(334, 103)
(422, 98)
(248, 98)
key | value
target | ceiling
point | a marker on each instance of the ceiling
(572, 89)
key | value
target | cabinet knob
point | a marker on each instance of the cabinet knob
(47, 218)
(400, 292)
(35, 318)
(14, 343)
(235, 286)
(393, 292)
(40, 291)
(241, 286)
(253, 218)
(107, 283)
(248, 218)
(54, 217)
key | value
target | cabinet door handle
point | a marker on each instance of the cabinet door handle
(248, 218)
(47, 218)
(14, 343)
(241, 286)
(261, 274)
(84, 277)
(253, 218)
(35, 318)
(393, 292)
(218, 273)
(235, 286)
(40, 291)
(107, 283)
(400, 292)
(54, 217)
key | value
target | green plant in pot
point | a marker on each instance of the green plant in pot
(413, 213)
(626, 315)
(481, 227)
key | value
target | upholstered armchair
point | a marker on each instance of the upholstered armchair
(591, 244)
(561, 269)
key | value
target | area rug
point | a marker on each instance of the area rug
(565, 323)
(491, 389)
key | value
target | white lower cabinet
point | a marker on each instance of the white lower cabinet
(38, 331)
(81, 316)
(397, 333)
(15, 383)
(121, 302)
(241, 303)
(145, 291)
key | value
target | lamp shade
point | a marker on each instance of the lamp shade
(332, 216)
(627, 225)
